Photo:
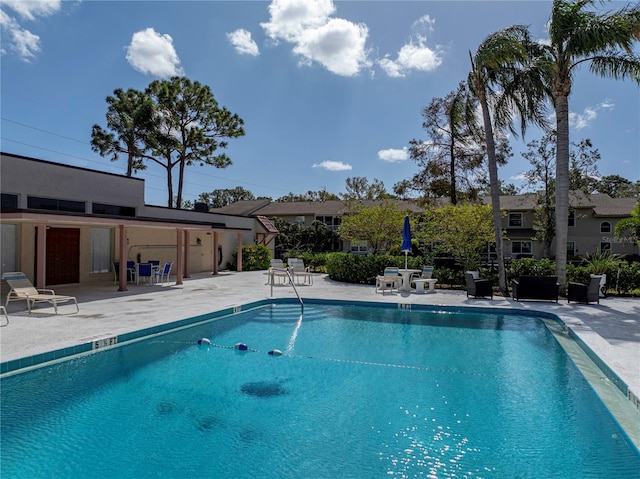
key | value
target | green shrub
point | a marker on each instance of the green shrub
(255, 257)
(626, 280)
(532, 267)
(315, 261)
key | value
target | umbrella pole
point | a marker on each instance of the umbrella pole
(405, 259)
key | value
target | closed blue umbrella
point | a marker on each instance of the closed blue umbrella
(406, 239)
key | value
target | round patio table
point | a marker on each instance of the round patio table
(406, 278)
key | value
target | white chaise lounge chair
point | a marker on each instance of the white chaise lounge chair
(301, 273)
(390, 280)
(22, 289)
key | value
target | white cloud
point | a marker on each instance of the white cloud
(33, 9)
(415, 55)
(243, 43)
(607, 104)
(335, 43)
(585, 119)
(333, 166)
(425, 20)
(582, 120)
(290, 18)
(519, 177)
(153, 53)
(394, 155)
(23, 42)
(338, 45)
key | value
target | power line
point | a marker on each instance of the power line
(229, 180)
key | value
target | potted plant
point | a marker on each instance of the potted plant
(599, 263)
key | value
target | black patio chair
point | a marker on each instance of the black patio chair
(584, 293)
(476, 286)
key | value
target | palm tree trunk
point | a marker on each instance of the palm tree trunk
(495, 192)
(562, 186)
(452, 172)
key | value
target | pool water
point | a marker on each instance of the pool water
(360, 392)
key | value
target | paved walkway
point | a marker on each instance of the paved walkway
(611, 329)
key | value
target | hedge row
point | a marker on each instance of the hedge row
(363, 269)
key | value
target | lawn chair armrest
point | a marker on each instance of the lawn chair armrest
(46, 291)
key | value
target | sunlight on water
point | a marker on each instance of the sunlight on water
(358, 392)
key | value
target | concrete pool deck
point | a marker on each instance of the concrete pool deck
(611, 329)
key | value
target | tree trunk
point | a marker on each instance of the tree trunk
(562, 186)
(169, 184)
(452, 172)
(495, 192)
(180, 183)
(130, 164)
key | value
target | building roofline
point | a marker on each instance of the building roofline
(63, 165)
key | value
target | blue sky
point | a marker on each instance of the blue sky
(327, 90)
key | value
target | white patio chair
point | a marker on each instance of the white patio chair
(22, 289)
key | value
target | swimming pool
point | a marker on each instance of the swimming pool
(359, 392)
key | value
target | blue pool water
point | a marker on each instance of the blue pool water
(360, 392)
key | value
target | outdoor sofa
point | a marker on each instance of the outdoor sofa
(536, 287)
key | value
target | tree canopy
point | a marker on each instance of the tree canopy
(174, 123)
(379, 225)
(129, 123)
(462, 230)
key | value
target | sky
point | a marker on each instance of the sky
(327, 89)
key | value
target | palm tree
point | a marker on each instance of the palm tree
(605, 41)
(503, 60)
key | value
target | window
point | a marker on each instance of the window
(605, 227)
(9, 201)
(113, 210)
(521, 247)
(331, 221)
(101, 248)
(571, 249)
(52, 204)
(571, 221)
(299, 220)
(515, 220)
(360, 246)
(9, 237)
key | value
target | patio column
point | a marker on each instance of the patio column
(187, 236)
(41, 245)
(216, 259)
(179, 255)
(122, 258)
(239, 267)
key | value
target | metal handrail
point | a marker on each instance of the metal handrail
(288, 272)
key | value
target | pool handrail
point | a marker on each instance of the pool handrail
(288, 273)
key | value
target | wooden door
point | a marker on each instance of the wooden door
(63, 256)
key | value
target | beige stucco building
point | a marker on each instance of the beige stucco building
(63, 224)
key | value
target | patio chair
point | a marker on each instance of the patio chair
(476, 286)
(21, 288)
(390, 279)
(299, 271)
(131, 272)
(162, 275)
(584, 293)
(418, 280)
(278, 270)
(145, 270)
